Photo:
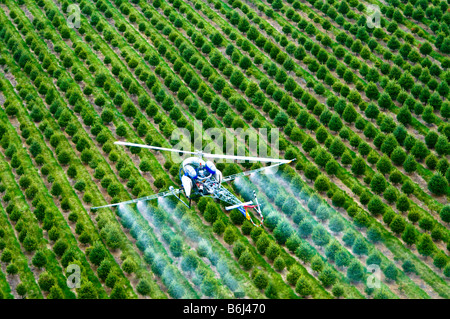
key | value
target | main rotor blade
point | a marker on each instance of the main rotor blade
(153, 147)
(234, 176)
(207, 155)
(247, 158)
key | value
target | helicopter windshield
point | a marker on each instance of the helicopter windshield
(195, 162)
(199, 165)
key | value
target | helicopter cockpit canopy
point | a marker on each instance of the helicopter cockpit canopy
(210, 167)
(197, 169)
(195, 162)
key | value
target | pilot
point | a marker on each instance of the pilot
(196, 170)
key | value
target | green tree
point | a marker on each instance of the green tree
(372, 111)
(271, 292)
(373, 157)
(442, 145)
(410, 164)
(21, 290)
(293, 242)
(335, 123)
(97, 253)
(311, 172)
(118, 292)
(360, 246)
(56, 189)
(60, 247)
(428, 115)
(46, 281)
(372, 92)
(129, 265)
(217, 39)
(346, 158)
(384, 165)
(111, 280)
(260, 280)
(39, 259)
(398, 156)
(445, 213)
(376, 206)
(396, 177)
(338, 199)
(342, 258)
(55, 293)
(245, 63)
(107, 116)
(425, 247)
(374, 234)
(350, 114)
(317, 264)
(229, 236)
(143, 287)
(390, 194)
(445, 108)
(219, 227)
(384, 101)
(211, 212)
(322, 183)
(378, 183)
(389, 144)
(337, 147)
(323, 213)
(359, 166)
(304, 252)
(279, 263)
(447, 271)
(246, 260)
(303, 287)
(348, 76)
(104, 269)
(403, 203)
(355, 271)
(293, 275)
(361, 219)
(282, 232)
(281, 119)
(336, 224)
(305, 229)
(12, 269)
(30, 243)
(438, 184)
(440, 260)
(320, 236)
(338, 291)
(408, 187)
(273, 251)
(87, 291)
(327, 277)
(397, 224)
(332, 167)
(426, 223)
(410, 235)
(391, 272)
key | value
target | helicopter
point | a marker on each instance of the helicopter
(200, 178)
